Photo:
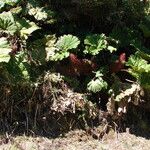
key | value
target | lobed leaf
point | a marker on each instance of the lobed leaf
(138, 64)
(67, 42)
(5, 49)
(97, 85)
(61, 49)
(95, 43)
(40, 13)
(28, 29)
(12, 2)
(7, 23)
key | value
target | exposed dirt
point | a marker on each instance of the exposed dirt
(77, 140)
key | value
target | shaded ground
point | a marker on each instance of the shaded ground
(77, 140)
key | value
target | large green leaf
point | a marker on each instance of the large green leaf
(7, 23)
(2, 4)
(140, 69)
(138, 64)
(97, 84)
(12, 2)
(67, 42)
(61, 49)
(95, 43)
(28, 28)
(5, 49)
(40, 13)
(19, 68)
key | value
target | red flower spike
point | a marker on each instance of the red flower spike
(118, 64)
(77, 67)
(74, 60)
(122, 57)
(81, 66)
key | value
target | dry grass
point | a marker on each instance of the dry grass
(78, 140)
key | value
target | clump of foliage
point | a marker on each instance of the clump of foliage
(97, 83)
(99, 45)
(63, 45)
(140, 69)
(96, 43)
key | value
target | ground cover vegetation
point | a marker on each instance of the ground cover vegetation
(68, 64)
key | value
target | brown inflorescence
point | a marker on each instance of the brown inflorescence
(118, 64)
(77, 66)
